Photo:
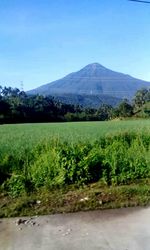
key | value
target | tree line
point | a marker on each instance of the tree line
(18, 107)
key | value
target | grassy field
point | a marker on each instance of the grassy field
(17, 138)
(63, 160)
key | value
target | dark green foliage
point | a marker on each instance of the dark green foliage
(124, 109)
(105, 112)
(141, 103)
(17, 107)
(141, 97)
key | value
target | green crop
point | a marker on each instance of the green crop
(58, 154)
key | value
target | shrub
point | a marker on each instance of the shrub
(15, 185)
(117, 159)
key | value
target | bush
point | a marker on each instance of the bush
(119, 159)
(15, 185)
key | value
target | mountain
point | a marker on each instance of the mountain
(93, 80)
(94, 101)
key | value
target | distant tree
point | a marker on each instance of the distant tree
(104, 112)
(125, 109)
(16, 106)
(140, 98)
(147, 96)
(7, 91)
(4, 111)
(1, 90)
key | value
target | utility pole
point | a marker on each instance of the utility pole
(21, 86)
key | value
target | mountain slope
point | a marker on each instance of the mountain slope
(94, 79)
(93, 101)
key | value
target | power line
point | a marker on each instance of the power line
(140, 1)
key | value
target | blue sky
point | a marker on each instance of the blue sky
(43, 40)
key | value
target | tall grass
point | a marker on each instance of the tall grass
(118, 159)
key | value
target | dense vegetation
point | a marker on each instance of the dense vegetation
(17, 107)
(28, 163)
(44, 160)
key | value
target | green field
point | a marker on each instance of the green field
(43, 161)
(17, 138)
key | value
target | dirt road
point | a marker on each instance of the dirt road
(120, 229)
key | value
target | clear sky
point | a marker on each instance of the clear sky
(43, 40)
